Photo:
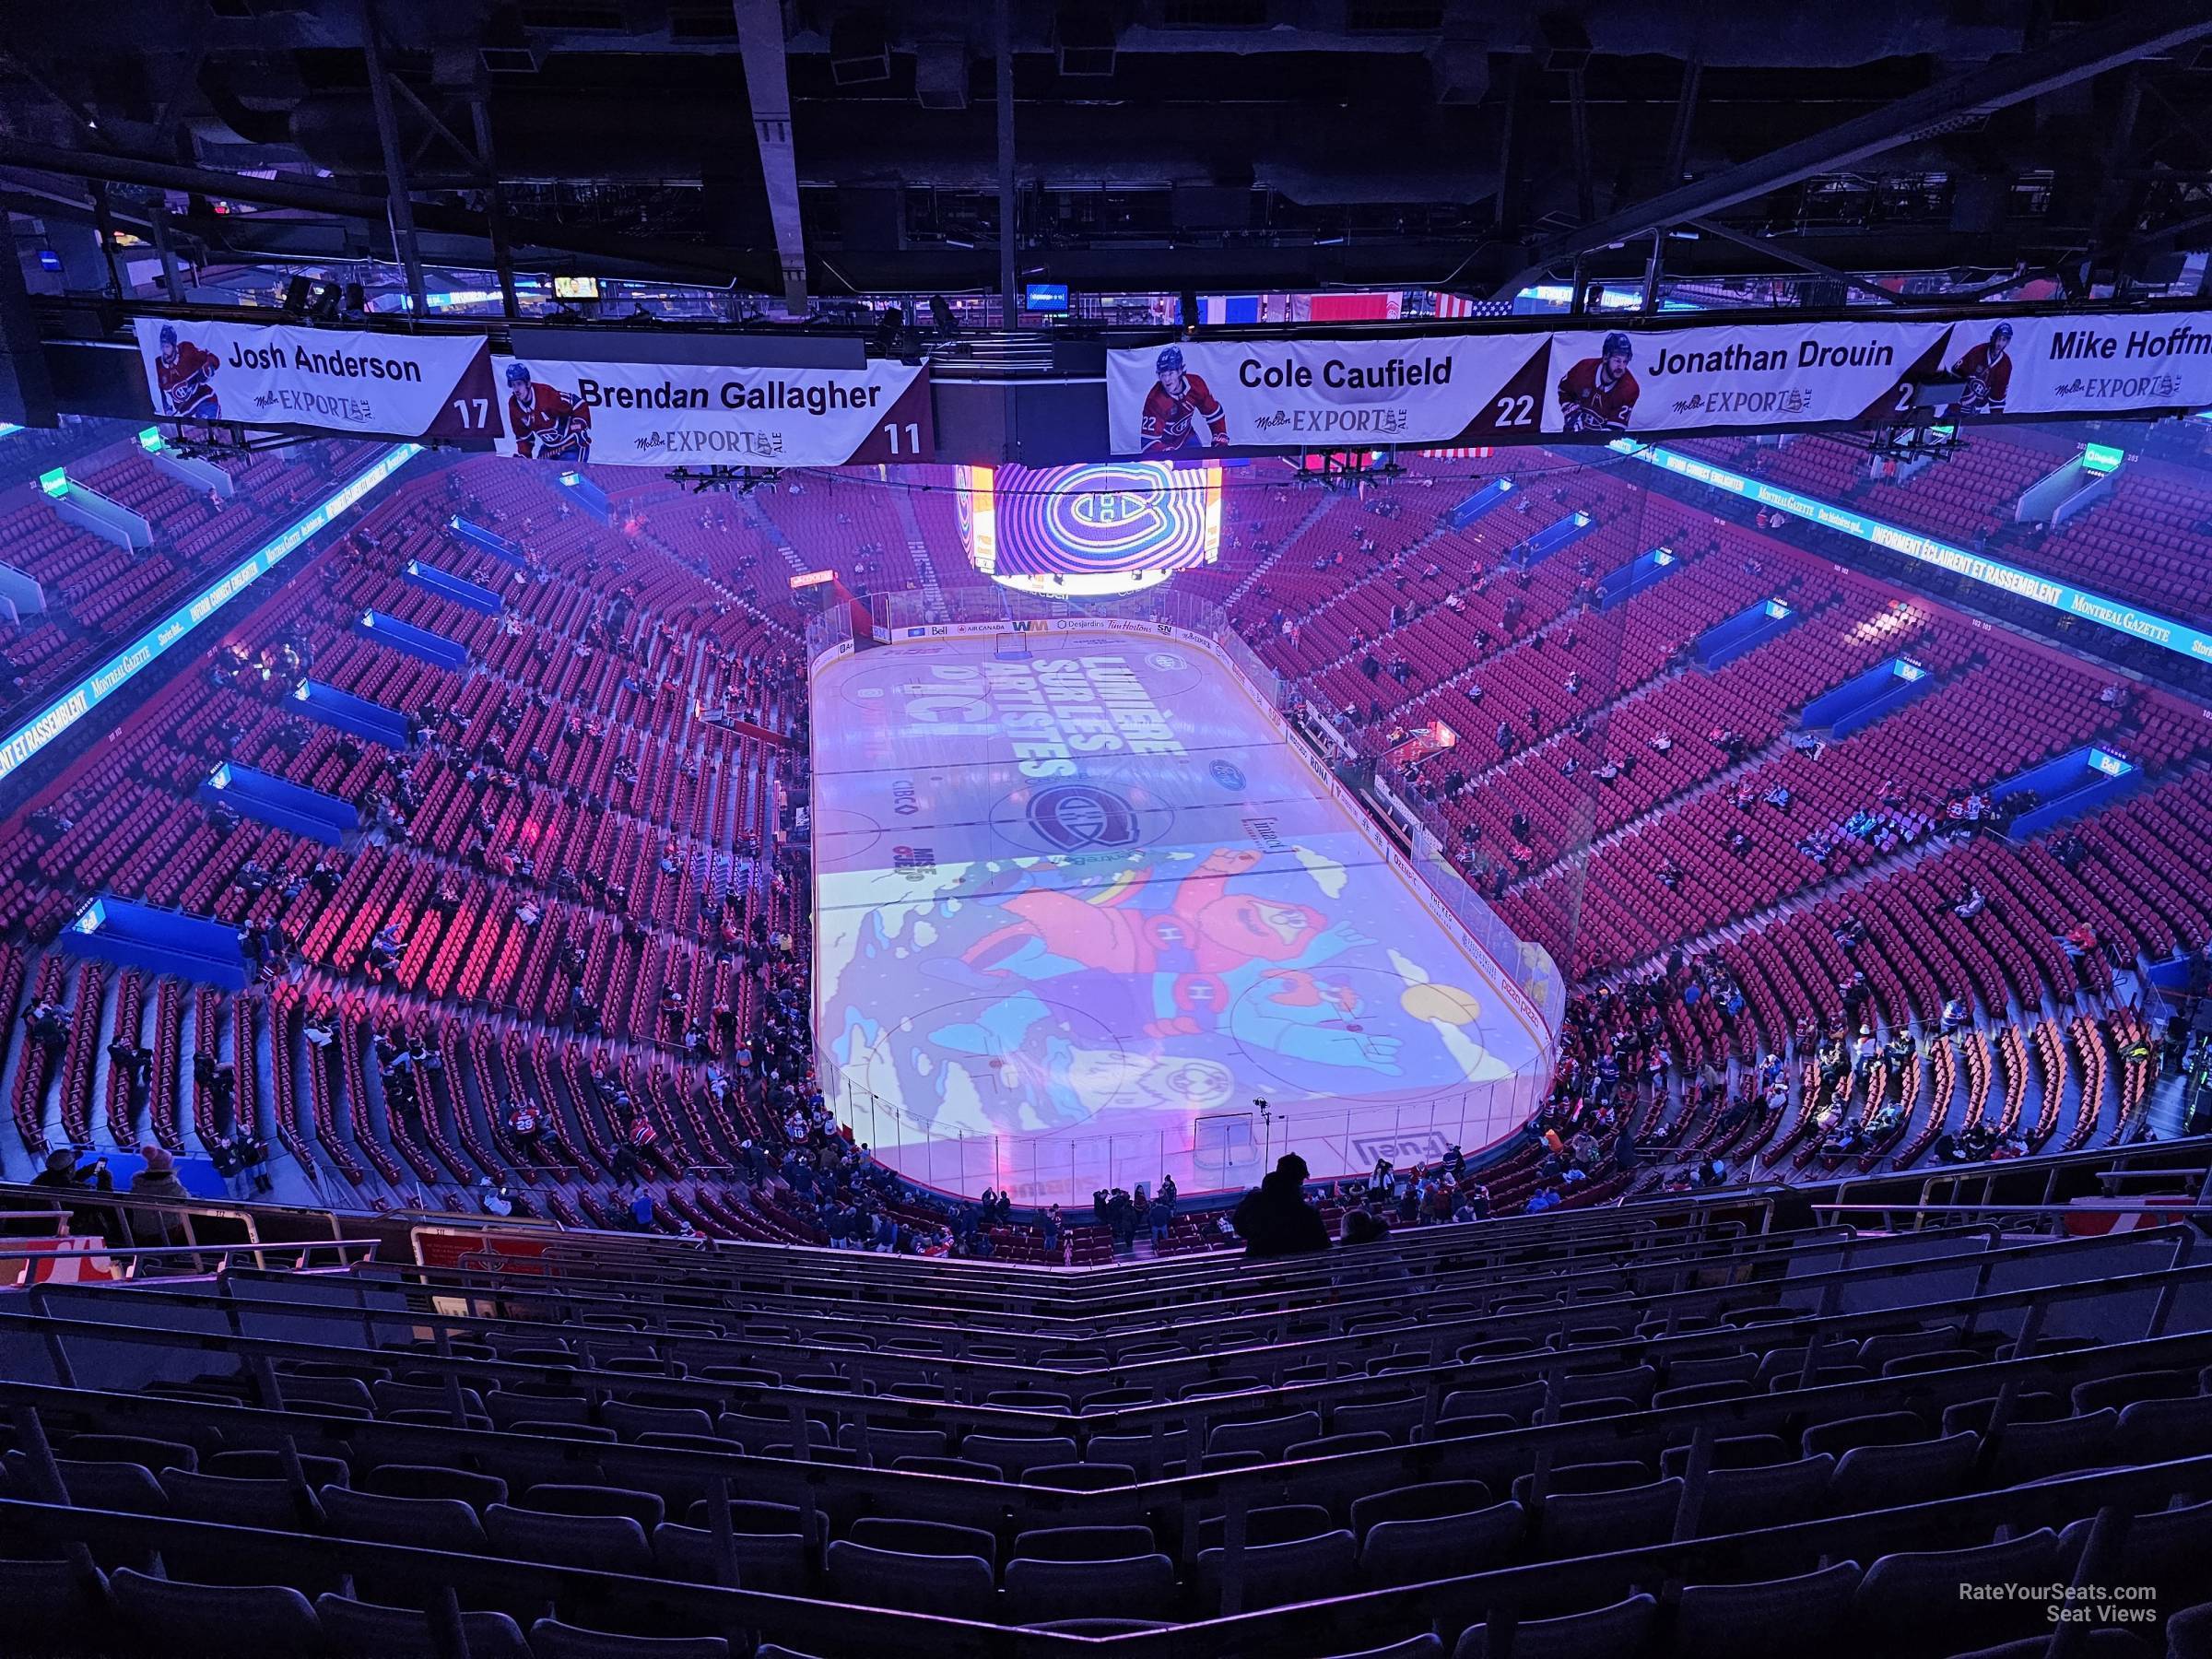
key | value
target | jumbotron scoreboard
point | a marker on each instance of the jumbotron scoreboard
(1109, 527)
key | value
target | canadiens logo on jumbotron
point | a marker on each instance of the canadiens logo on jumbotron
(1072, 816)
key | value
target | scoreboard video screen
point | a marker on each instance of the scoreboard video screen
(1108, 527)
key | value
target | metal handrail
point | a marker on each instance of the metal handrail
(133, 1254)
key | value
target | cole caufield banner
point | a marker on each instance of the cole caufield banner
(675, 414)
(338, 379)
(1201, 394)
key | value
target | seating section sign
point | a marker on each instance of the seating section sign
(670, 415)
(1609, 379)
(345, 380)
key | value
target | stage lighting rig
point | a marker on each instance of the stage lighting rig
(743, 480)
(1895, 447)
(1348, 471)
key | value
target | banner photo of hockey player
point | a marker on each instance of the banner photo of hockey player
(1607, 381)
(713, 415)
(1611, 382)
(2087, 365)
(336, 380)
(1194, 396)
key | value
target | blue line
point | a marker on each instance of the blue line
(2177, 637)
(113, 675)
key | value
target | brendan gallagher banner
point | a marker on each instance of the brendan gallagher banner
(340, 380)
(1199, 394)
(676, 414)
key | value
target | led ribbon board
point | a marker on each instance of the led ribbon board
(2164, 632)
(1104, 528)
(103, 682)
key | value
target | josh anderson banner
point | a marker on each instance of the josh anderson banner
(671, 414)
(338, 379)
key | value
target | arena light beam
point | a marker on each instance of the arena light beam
(112, 675)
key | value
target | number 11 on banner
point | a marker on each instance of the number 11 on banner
(912, 430)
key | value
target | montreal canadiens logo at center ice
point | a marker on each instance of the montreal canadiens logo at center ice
(1072, 816)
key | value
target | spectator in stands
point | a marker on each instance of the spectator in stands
(153, 1229)
(385, 950)
(1956, 1018)
(64, 1175)
(1274, 1219)
(1972, 905)
(48, 1024)
(1866, 1054)
(1162, 1213)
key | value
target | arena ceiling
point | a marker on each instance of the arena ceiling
(824, 148)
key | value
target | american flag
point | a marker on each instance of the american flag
(1459, 305)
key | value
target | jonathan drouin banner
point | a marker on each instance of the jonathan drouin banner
(341, 379)
(712, 415)
(1607, 381)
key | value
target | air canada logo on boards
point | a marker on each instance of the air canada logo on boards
(1072, 816)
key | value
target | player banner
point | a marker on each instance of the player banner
(339, 380)
(711, 415)
(1870, 373)
(1622, 379)
(2097, 364)
(1610, 382)
(1200, 394)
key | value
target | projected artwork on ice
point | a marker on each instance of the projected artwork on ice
(1094, 887)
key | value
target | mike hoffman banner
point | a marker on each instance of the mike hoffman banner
(1608, 382)
(678, 414)
(339, 380)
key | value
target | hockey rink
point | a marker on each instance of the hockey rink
(1081, 900)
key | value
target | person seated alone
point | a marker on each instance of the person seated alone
(1274, 1219)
